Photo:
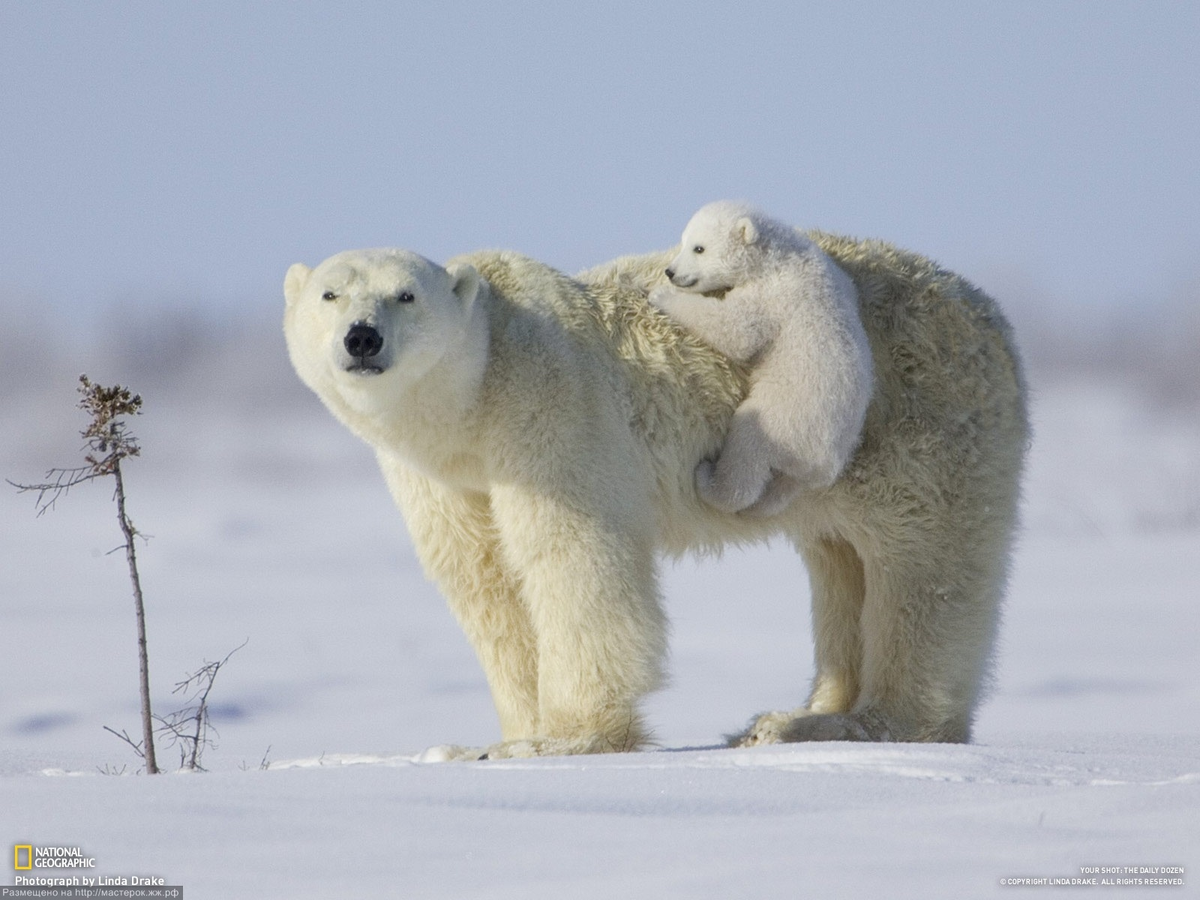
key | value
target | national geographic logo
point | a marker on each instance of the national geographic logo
(27, 857)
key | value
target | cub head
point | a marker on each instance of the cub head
(717, 248)
(367, 320)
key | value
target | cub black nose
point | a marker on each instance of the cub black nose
(670, 274)
(363, 341)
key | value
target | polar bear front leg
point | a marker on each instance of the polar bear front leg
(458, 544)
(588, 581)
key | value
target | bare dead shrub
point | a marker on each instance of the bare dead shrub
(107, 442)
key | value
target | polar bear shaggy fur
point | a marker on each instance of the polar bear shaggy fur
(540, 434)
(764, 294)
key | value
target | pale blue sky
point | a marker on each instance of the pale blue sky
(191, 151)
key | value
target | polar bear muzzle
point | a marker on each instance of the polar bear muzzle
(363, 342)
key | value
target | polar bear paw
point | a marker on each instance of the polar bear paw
(526, 748)
(725, 496)
(778, 495)
(765, 729)
(502, 750)
(564, 746)
(827, 727)
(666, 299)
(449, 753)
(801, 726)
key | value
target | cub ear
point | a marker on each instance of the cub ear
(294, 282)
(746, 228)
(464, 281)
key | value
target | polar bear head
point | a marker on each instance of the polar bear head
(723, 245)
(374, 322)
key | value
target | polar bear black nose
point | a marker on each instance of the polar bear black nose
(670, 274)
(363, 341)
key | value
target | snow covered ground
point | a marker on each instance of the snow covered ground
(270, 523)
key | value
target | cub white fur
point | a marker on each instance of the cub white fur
(765, 295)
(540, 435)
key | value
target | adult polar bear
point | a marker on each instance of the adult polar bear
(540, 433)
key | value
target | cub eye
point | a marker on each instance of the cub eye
(698, 249)
(406, 297)
(329, 295)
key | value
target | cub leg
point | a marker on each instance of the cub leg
(738, 477)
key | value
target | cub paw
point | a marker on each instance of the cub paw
(781, 490)
(725, 495)
(661, 297)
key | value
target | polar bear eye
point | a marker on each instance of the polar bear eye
(406, 297)
(699, 248)
(329, 295)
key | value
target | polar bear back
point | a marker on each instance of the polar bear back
(947, 419)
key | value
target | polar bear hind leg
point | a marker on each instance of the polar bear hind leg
(902, 646)
(836, 578)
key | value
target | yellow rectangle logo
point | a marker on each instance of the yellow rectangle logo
(28, 848)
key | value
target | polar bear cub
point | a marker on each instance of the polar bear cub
(763, 294)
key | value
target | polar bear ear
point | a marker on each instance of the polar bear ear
(294, 281)
(746, 228)
(464, 281)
